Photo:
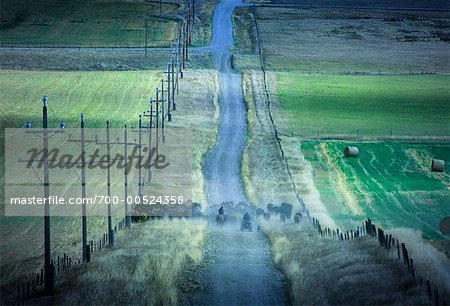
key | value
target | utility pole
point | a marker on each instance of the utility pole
(173, 83)
(193, 14)
(163, 116)
(189, 28)
(83, 190)
(140, 193)
(150, 115)
(187, 39)
(108, 186)
(169, 94)
(127, 210)
(108, 183)
(146, 37)
(157, 120)
(48, 266)
(181, 47)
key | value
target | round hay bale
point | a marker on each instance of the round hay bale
(444, 225)
(437, 165)
(351, 152)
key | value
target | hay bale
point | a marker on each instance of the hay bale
(351, 152)
(437, 165)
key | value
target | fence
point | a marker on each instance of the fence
(34, 286)
(389, 243)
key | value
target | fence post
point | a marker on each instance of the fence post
(428, 288)
(412, 270)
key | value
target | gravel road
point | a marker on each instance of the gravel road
(222, 167)
(238, 268)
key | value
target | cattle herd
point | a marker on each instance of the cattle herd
(235, 212)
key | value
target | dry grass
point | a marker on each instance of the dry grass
(430, 262)
(268, 181)
(198, 109)
(69, 60)
(145, 267)
(341, 40)
(21, 239)
(324, 271)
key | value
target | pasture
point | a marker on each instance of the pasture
(391, 182)
(364, 105)
(115, 96)
(83, 24)
(330, 40)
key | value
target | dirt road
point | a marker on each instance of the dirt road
(222, 166)
(238, 268)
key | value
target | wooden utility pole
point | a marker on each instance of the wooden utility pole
(193, 14)
(108, 186)
(157, 120)
(169, 94)
(146, 37)
(173, 82)
(140, 193)
(83, 190)
(48, 266)
(150, 116)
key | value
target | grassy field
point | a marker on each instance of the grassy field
(365, 105)
(93, 23)
(325, 271)
(264, 182)
(439, 4)
(143, 268)
(390, 182)
(115, 96)
(344, 40)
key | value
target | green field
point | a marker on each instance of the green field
(365, 105)
(92, 23)
(390, 182)
(115, 96)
